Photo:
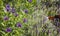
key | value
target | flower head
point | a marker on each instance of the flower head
(29, 0)
(6, 18)
(57, 24)
(8, 7)
(24, 20)
(58, 30)
(26, 11)
(49, 31)
(13, 10)
(15, 14)
(8, 30)
(18, 24)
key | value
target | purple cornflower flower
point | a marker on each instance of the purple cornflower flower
(26, 11)
(6, 18)
(13, 10)
(58, 30)
(30, 1)
(49, 31)
(18, 24)
(7, 7)
(15, 14)
(8, 30)
(57, 24)
(24, 20)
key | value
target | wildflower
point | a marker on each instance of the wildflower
(6, 18)
(57, 24)
(7, 7)
(26, 11)
(18, 24)
(48, 32)
(24, 20)
(8, 30)
(15, 14)
(58, 30)
(30, 1)
(13, 10)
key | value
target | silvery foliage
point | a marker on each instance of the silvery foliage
(39, 19)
